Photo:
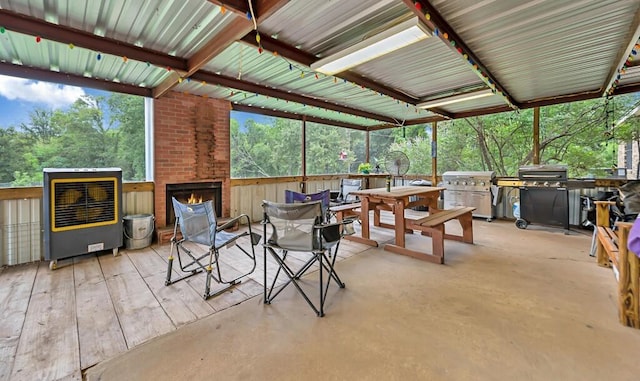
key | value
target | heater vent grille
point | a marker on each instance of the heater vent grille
(82, 203)
(82, 211)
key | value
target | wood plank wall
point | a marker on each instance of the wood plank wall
(21, 233)
(21, 208)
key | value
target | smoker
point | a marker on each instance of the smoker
(470, 188)
(544, 197)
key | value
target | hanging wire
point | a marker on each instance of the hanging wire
(240, 62)
(253, 16)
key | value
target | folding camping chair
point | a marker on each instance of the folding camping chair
(346, 187)
(198, 225)
(299, 227)
(324, 197)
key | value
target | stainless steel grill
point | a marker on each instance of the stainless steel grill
(470, 188)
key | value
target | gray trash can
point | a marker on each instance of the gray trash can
(138, 231)
(422, 183)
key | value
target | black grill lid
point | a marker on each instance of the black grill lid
(548, 172)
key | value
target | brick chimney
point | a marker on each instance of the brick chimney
(191, 144)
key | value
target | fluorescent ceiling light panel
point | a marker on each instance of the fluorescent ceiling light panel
(455, 99)
(394, 38)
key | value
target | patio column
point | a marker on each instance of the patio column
(434, 153)
(536, 135)
(366, 147)
(304, 154)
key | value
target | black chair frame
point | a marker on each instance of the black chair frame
(210, 259)
(324, 255)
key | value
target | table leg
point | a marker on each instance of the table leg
(364, 217)
(399, 220)
(365, 229)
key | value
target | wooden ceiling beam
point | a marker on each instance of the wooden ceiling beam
(217, 79)
(437, 22)
(71, 79)
(410, 122)
(531, 104)
(288, 115)
(241, 7)
(623, 55)
(627, 89)
(265, 8)
(222, 40)
(31, 26)
(562, 99)
(232, 32)
(291, 53)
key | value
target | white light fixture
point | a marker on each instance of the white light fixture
(394, 38)
(455, 99)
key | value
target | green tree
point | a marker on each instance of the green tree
(570, 133)
(627, 130)
(13, 145)
(127, 113)
(266, 149)
(39, 128)
(325, 144)
(84, 141)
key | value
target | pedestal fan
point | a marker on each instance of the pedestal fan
(396, 163)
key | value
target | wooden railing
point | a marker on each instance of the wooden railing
(21, 208)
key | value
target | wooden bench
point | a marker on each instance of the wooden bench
(345, 210)
(434, 226)
(611, 249)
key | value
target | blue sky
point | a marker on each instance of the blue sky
(18, 97)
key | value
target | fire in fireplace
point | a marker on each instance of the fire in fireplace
(194, 192)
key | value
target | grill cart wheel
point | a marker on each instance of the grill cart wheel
(521, 224)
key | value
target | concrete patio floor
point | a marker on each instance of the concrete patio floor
(517, 305)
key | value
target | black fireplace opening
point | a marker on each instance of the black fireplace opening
(194, 192)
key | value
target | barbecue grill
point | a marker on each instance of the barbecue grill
(544, 198)
(470, 188)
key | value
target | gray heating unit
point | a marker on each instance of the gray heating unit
(82, 211)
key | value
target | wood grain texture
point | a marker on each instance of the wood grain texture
(55, 324)
(15, 291)
(48, 346)
(98, 327)
(140, 314)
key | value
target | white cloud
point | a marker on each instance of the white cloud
(51, 94)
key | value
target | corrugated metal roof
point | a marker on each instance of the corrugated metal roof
(270, 103)
(240, 60)
(425, 68)
(536, 50)
(24, 50)
(540, 49)
(178, 28)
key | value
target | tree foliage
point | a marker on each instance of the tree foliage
(109, 132)
(577, 134)
(77, 137)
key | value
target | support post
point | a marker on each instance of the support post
(434, 153)
(536, 135)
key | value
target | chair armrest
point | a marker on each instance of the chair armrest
(332, 232)
(345, 221)
(232, 222)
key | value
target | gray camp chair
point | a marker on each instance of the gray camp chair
(198, 225)
(346, 187)
(298, 227)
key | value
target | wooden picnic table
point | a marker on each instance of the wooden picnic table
(396, 200)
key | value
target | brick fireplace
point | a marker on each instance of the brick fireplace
(193, 192)
(191, 143)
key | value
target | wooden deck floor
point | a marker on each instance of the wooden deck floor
(56, 324)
